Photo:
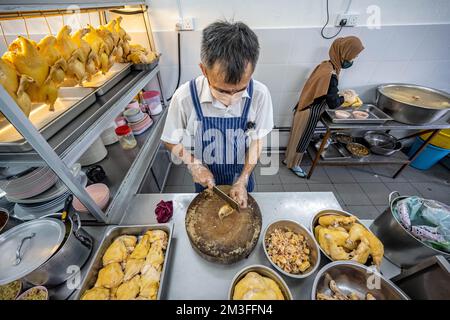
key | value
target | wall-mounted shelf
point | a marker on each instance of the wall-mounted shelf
(65, 147)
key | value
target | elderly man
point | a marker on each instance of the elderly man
(225, 110)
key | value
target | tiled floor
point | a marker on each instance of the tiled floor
(361, 190)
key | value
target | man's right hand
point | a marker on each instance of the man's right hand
(202, 175)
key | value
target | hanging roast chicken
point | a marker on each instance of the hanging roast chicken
(33, 72)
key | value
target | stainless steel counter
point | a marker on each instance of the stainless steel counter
(191, 277)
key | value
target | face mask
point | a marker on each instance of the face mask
(225, 98)
(346, 64)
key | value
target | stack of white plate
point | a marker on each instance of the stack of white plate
(51, 201)
(29, 183)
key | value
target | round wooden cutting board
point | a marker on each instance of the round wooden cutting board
(224, 241)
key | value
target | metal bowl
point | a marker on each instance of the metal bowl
(354, 277)
(382, 143)
(265, 272)
(315, 222)
(342, 137)
(414, 111)
(359, 145)
(311, 241)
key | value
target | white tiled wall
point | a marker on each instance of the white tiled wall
(417, 54)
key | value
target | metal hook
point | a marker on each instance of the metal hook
(26, 25)
(4, 35)
(46, 22)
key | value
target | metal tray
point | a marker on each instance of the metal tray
(111, 233)
(335, 151)
(71, 102)
(104, 82)
(146, 66)
(375, 115)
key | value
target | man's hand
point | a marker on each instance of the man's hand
(238, 192)
(202, 175)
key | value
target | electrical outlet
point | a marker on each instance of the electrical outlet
(187, 24)
(351, 19)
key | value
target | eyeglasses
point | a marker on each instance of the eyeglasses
(230, 92)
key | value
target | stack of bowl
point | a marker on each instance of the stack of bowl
(99, 192)
(138, 121)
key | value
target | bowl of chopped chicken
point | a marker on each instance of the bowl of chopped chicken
(291, 248)
(349, 280)
(258, 282)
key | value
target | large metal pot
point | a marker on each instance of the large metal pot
(419, 109)
(70, 257)
(400, 247)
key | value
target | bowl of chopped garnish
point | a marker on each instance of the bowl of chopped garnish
(34, 293)
(291, 248)
(11, 290)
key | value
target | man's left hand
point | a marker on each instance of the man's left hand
(239, 193)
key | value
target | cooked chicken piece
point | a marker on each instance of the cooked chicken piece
(129, 289)
(112, 293)
(358, 232)
(99, 47)
(336, 220)
(120, 37)
(225, 211)
(96, 294)
(47, 48)
(338, 237)
(158, 236)
(129, 242)
(23, 53)
(323, 296)
(154, 259)
(89, 56)
(337, 293)
(150, 283)
(362, 252)
(116, 252)
(110, 276)
(132, 268)
(335, 251)
(111, 28)
(142, 248)
(74, 55)
(369, 296)
(353, 296)
(256, 287)
(15, 85)
(46, 93)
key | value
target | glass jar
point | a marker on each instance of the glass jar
(126, 137)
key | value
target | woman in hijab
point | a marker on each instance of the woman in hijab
(320, 90)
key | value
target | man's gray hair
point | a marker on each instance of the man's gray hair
(231, 44)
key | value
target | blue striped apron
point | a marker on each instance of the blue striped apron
(225, 135)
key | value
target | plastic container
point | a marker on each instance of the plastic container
(153, 101)
(126, 137)
(428, 157)
(441, 140)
